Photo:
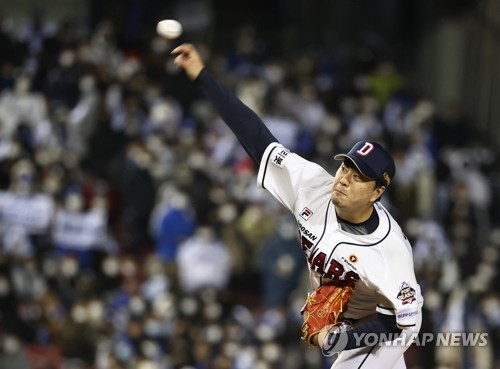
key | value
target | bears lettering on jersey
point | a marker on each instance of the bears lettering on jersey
(333, 270)
(337, 272)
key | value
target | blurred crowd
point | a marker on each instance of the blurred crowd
(132, 232)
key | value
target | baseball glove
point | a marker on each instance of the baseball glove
(325, 306)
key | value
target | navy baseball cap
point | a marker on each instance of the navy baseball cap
(372, 160)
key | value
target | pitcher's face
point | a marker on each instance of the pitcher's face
(352, 190)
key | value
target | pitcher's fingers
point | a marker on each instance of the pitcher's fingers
(178, 60)
(182, 49)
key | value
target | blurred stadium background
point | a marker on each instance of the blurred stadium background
(132, 234)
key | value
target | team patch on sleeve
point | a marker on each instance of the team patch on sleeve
(406, 294)
(279, 156)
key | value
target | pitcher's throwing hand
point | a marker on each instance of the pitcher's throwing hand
(188, 59)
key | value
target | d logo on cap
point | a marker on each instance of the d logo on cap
(365, 150)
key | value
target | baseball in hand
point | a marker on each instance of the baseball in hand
(169, 28)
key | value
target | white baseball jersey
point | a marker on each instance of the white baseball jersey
(380, 263)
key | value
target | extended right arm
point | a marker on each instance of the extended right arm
(250, 130)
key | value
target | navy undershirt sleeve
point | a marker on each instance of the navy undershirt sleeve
(250, 130)
(383, 326)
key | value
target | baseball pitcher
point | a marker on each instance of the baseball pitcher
(365, 303)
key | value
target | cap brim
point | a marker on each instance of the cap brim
(353, 160)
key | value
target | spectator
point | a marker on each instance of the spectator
(137, 192)
(172, 222)
(24, 212)
(280, 262)
(80, 232)
(203, 262)
(21, 105)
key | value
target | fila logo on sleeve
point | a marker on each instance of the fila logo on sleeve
(306, 213)
(366, 149)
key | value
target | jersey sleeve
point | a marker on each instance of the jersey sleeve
(284, 174)
(250, 130)
(399, 291)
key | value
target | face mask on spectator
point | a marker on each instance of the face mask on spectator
(128, 268)
(69, 267)
(110, 266)
(22, 85)
(74, 202)
(79, 313)
(95, 311)
(150, 350)
(152, 328)
(11, 344)
(164, 306)
(123, 352)
(137, 306)
(87, 84)
(49, 267)
(67, 58)
(491, 309)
